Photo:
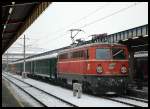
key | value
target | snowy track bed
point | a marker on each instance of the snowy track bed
(137, 99)
(67, 95)
(43, 98)
(128, 101)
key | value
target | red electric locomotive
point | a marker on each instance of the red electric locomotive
(101, 68)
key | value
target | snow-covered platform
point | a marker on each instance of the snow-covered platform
(8, 100)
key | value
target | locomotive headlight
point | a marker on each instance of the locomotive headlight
(99, 69)
(123, 69)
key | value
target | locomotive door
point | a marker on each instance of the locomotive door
(86, 64)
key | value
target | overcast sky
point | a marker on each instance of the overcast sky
(50, 30)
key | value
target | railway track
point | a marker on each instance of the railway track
(134, 98)
(23, 86)
(126, 100)
(24, 91)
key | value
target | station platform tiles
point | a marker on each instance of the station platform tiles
(8, 100)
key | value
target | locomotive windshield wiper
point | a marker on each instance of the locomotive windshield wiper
(117, 53)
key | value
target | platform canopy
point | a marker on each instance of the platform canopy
(136, 44)
(16, 18)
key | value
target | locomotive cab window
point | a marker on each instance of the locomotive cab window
(118, 53)
(103, 53)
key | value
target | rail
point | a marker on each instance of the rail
(39, 90)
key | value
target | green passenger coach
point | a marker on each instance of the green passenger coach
(44, 66)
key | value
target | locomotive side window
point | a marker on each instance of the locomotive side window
(77, 54)
(118, 53)
(103, 53)
(63, 56)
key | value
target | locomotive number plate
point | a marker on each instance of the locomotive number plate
(112, 65)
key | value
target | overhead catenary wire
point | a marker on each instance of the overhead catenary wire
(105, 17)
(90, 23)
(29, 47)
(56, 38)
(82, 18)
(91, 13)
(114, 13)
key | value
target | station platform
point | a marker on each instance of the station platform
(8, 100)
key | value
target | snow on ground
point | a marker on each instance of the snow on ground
(22, 97)
(44, 98)
(84, 101)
